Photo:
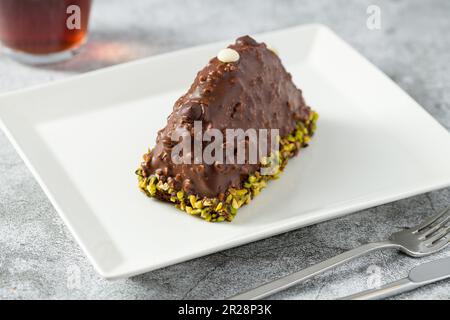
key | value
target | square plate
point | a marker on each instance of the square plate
(83, 137)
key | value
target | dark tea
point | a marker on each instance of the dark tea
(43, 27)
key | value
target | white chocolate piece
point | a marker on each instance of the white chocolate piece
(228, 55)
(273, 49)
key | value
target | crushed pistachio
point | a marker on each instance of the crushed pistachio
(218, 210)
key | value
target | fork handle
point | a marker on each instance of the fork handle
(305, 274)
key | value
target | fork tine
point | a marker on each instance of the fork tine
(438, 236)
(431, 220)
(436, 226)
(439, 245)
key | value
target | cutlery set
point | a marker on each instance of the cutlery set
(428, 238)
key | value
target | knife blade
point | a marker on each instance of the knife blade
(421, 275)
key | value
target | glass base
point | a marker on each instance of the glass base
(41, 59)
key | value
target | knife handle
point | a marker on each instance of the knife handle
(388, 290)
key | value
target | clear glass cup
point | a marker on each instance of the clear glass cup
(43, 31)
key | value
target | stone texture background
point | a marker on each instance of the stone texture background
(39, 258)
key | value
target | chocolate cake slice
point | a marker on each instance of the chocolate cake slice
(244, 87)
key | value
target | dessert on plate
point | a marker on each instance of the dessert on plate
(244, 87)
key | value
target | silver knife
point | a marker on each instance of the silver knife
(421, 275)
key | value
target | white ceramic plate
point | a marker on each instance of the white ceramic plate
(83, 138)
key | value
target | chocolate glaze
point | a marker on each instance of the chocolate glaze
(253, 92)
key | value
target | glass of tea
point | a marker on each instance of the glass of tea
(43, 31)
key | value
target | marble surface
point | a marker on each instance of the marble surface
(39, 259)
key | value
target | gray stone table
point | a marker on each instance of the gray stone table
(38, 256)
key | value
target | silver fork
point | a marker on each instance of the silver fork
(429, 237)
